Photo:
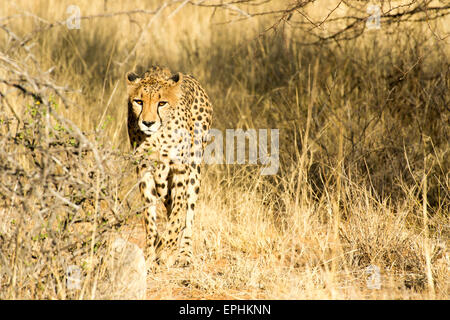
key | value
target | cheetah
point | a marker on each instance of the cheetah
(169, 116)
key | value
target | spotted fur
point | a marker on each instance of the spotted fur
(169, 116)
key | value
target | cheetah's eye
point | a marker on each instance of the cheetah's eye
(162, 103)
(139, 102)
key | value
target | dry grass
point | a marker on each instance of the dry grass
(364, 162)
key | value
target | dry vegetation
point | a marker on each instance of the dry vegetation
(364, 148)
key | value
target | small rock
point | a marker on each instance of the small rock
(126, 273)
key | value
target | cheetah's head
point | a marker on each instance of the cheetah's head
(152, 97)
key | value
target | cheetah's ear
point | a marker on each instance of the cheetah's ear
(132, 78)
(176, 78)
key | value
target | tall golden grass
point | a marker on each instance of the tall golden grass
(364, 142)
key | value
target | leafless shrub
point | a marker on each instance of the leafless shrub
(58, 190)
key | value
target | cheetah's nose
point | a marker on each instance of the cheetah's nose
(148, 123)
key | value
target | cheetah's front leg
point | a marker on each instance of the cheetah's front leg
(176, 212)
(148, 191)
(193, 186)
